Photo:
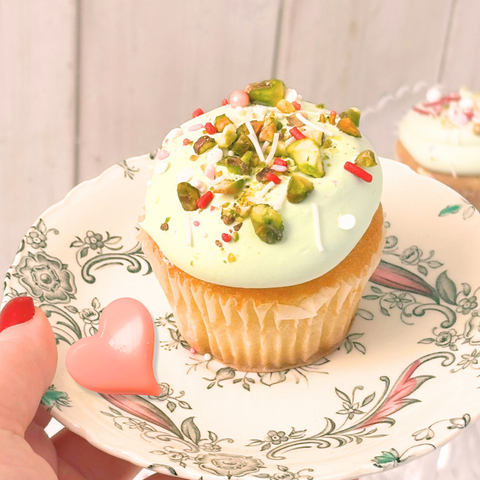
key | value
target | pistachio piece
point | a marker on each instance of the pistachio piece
(229, 187)
(221, 122)
(228, 215)
(298, 189)
(366, 159)
(188, 196)
(247, 158)
(204, 144)
(236, 165)
(262, 175)
(242, 144)
(243, 212)
(347, 126)
(307, 156)
(267, 133)
(281, 150)
(285, 106)
(293, 121)
(322, 119)
(268, 92)
(353, 114)
(316, 136)
(267, 223)
(227, 137)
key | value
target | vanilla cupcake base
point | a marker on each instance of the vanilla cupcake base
(264, 330)
(467, 186)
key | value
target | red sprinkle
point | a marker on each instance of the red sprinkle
(192, 351)
(196, 223)
(212, 208)
(296, 105)
(205, 199)
(279, 161)
(224, 102)
(296, 133)
(358, 172)
(271, 177)
(226, 237)
(197, 113)
(186, 141)
(210, 128)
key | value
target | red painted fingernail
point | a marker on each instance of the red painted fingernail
(17, 311)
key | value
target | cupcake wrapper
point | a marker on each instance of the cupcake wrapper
(260, 338)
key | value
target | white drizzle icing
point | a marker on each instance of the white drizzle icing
(265, 189)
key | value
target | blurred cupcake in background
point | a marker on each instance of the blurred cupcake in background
(440, 138)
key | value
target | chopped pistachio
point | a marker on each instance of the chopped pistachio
(285, 106)
(194, 158)
(328, 143)
(316, 136)
(366, 159)
(307, 156)
(235, 236)
(322, 119)
(204, 144)
(261, 175)
(228, 216)
(353, 114)
(235, 165)
(221, 122)
(347, 126)
(293, 121)
(229, 187)
(231, 258)
(227, 137)
(238, 226)
(242, 144)
(268, 92)
(188, 196)
(266, 135)
(267, 223)
(298, 189)
(164, 226)
(320, 105)
(218, 243)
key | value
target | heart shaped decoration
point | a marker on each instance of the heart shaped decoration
(118, 359)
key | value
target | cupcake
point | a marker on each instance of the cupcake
(263, 224)
(440, 138)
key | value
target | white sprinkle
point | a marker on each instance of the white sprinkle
(281, 199)
(259, 110)
(257, 200)
(312, 125)
(316, 227)
(240, 110)
(188, 230)
(210, 171)
(254, 140)
(172, 134)
(198, 184)
(280, 116)
(207, 357)
(185, 175)
(289, 141)
(346, 222)
(217, 180)
(291, 95)
(265, 189)
(265, 146)
(204, 234)
(269, 159)
(231, 153)
(214, 155)
(149, 182)
(161, 167)
(279, 168)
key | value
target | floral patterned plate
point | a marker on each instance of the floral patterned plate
(403, 383)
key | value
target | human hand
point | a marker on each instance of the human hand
(28, 356)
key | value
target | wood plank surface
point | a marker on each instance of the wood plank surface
(461, 66)
(348, 53)
(146, 65)
(37, 117)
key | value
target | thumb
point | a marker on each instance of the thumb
(28, 359)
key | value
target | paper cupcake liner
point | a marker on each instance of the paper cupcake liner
(261, 338)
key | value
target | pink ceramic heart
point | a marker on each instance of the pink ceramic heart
(118, 359)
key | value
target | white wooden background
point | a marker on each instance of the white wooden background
(87, 83)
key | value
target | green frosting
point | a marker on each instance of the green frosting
(249, 262)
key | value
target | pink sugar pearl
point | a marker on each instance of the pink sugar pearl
(239, 98)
